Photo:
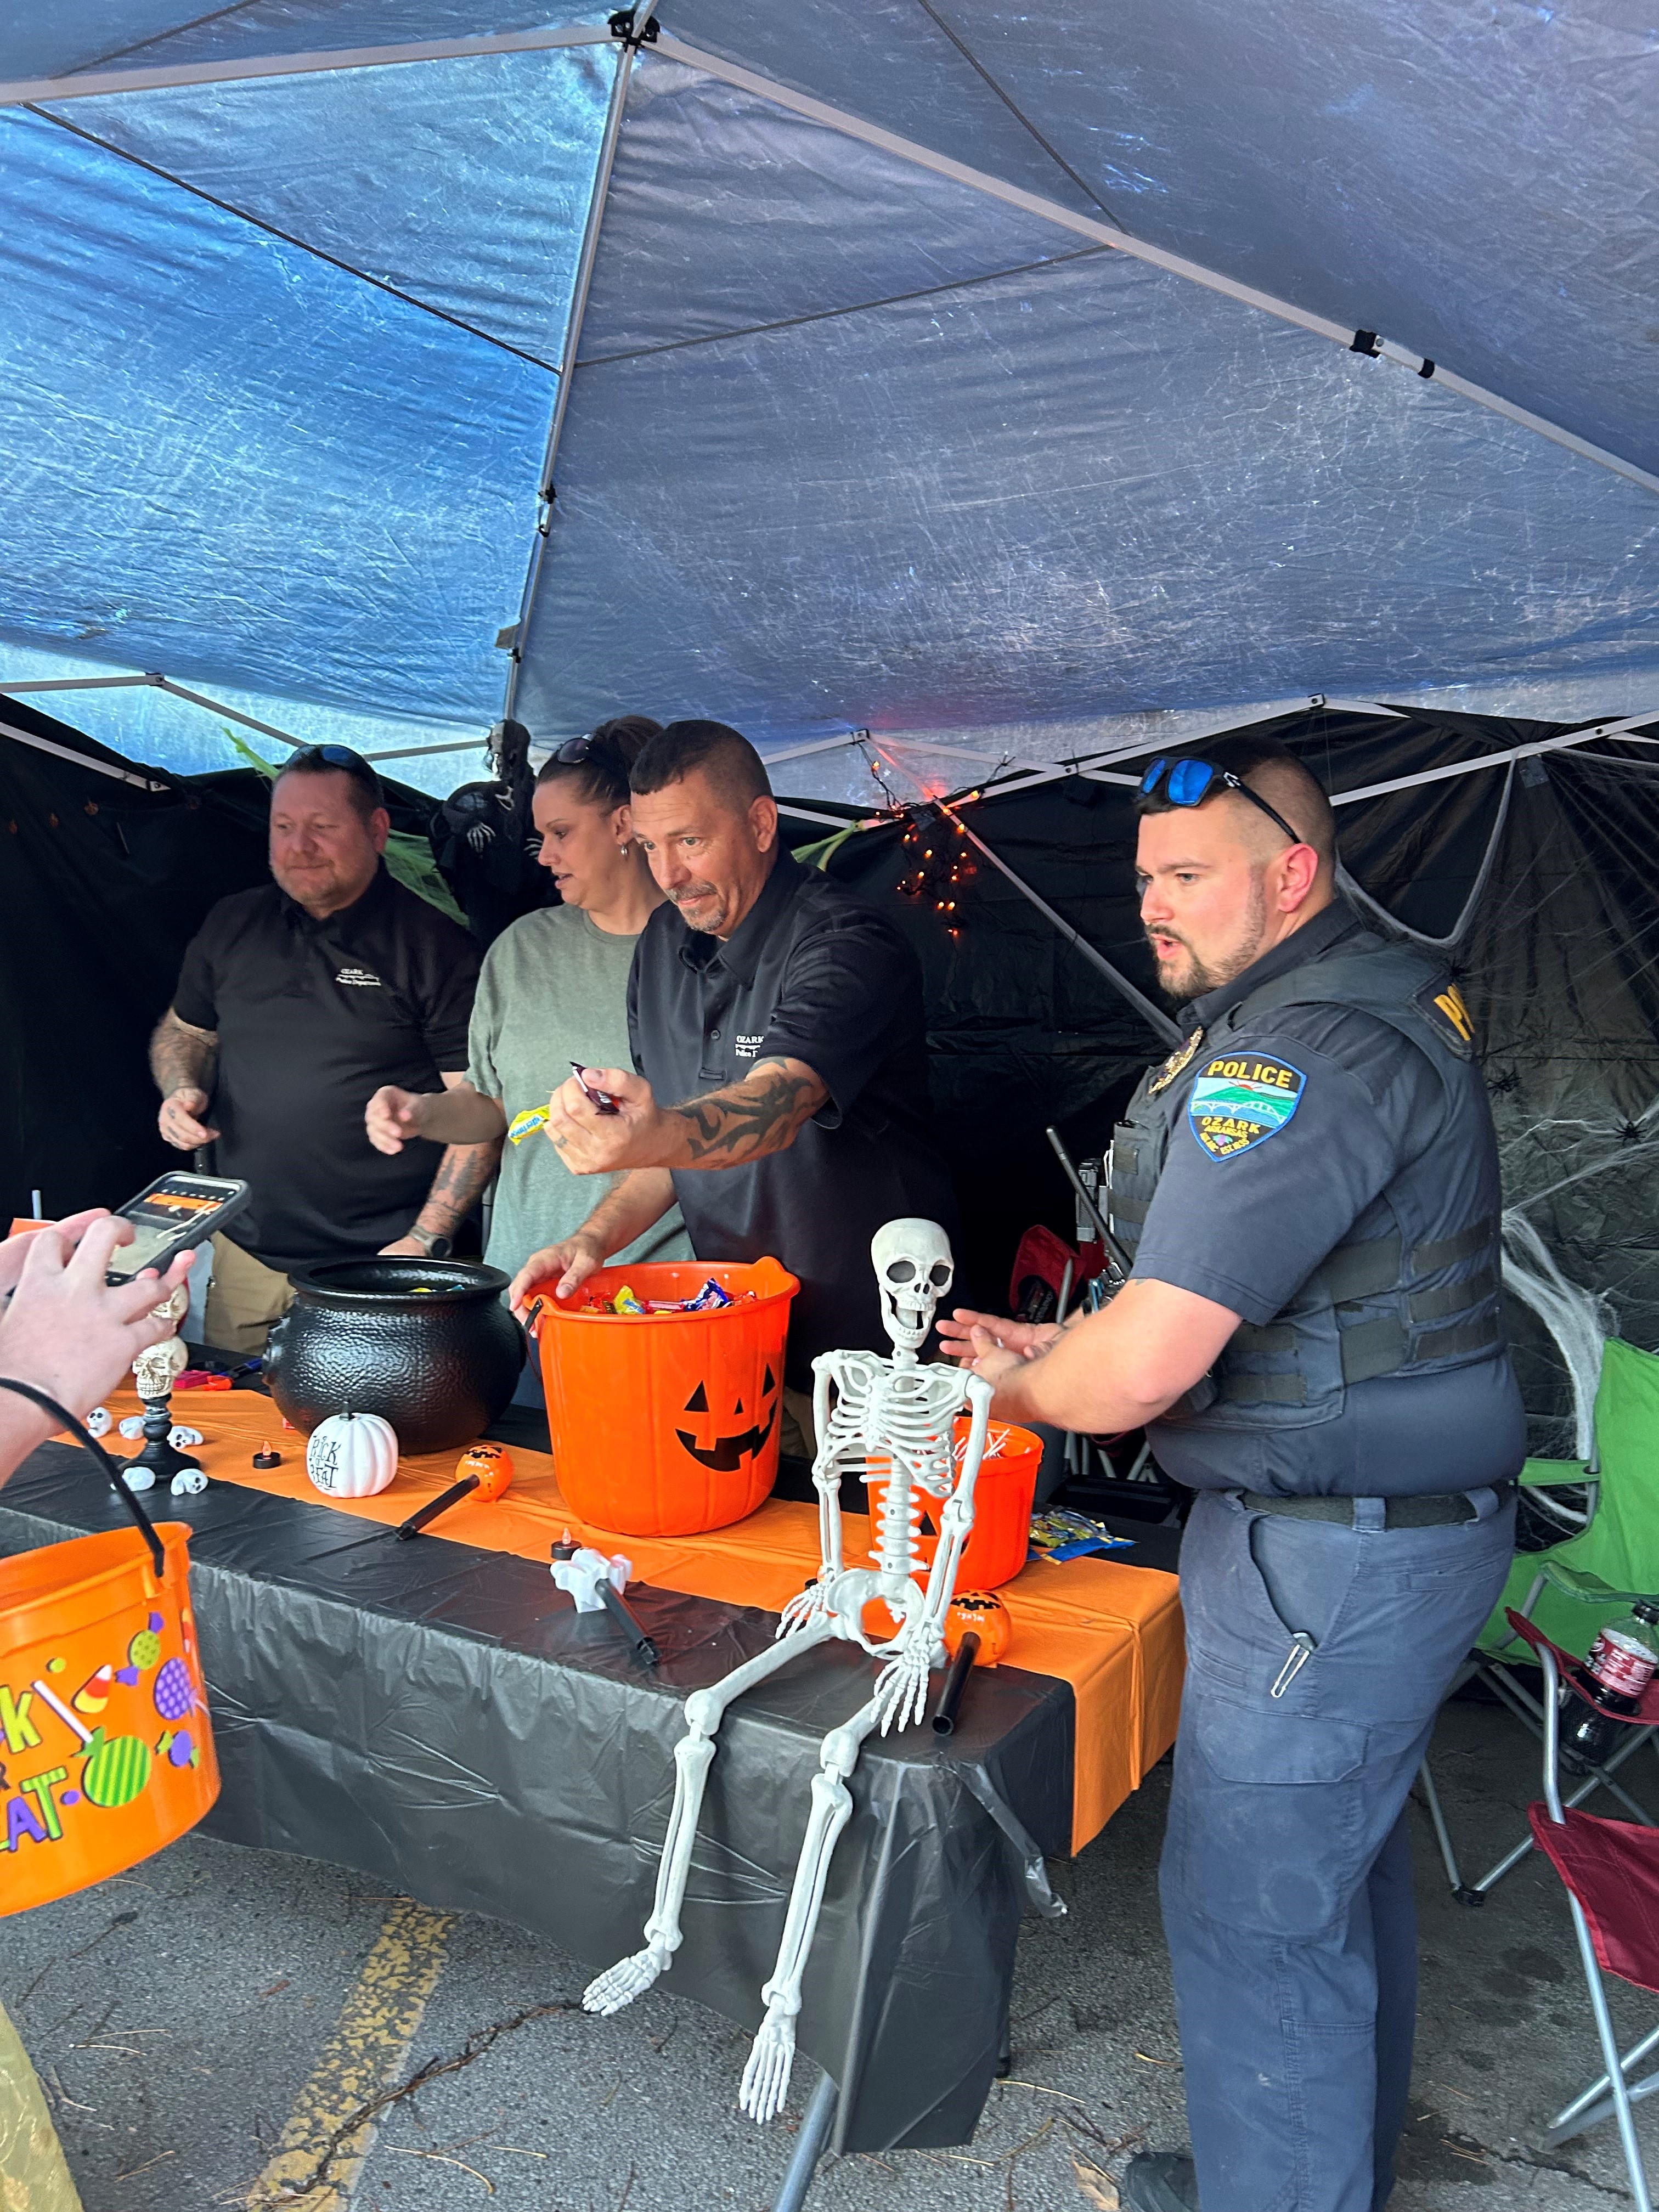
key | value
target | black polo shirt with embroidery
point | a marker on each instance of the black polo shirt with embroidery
(313, 1017)
(813, 974)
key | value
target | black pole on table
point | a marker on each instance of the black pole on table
(944, 1720)
(434, 1506)
(629, 1621)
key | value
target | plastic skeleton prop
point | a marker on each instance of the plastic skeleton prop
(902, 1416)
(156, 1370)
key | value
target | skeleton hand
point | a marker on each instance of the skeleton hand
(803, 1611)
(901, 1690)
(480, 834)
(771, 2061)
(620, 1985)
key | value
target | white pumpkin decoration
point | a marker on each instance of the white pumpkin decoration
(352, 1454)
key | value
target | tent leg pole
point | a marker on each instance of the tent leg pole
(809, 2147)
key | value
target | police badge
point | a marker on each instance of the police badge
(1181, 1058)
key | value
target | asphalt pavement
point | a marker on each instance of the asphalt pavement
(226, 2027)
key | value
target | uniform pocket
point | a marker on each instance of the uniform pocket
(1276, 1750)
(1268, 1823)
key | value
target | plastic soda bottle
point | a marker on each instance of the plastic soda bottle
(1620, 1664)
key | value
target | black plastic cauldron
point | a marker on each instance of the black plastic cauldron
(426, 1343)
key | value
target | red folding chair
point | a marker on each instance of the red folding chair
(1611, 1870)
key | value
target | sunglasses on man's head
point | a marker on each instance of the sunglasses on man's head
(1189, 782)
(339, 756)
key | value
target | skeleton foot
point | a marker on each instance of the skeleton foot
(620, 1985)
(900, 1696)
(766, 2077)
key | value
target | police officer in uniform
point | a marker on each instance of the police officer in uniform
(1311, 1333)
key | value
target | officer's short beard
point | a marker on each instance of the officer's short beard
(1194, 978)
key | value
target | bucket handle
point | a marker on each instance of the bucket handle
(112, 1466)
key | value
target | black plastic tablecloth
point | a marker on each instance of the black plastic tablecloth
(441, 1717)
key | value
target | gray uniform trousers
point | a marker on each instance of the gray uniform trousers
(1287, 1876)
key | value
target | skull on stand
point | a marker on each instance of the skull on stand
(155, 1371)
(892, 1421)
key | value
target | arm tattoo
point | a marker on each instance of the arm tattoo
(748, 1120)
(182, 1058)
(462, 1174)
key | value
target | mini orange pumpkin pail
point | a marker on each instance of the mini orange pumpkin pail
(104, 1737)
(999, 1540)
(666, 1424)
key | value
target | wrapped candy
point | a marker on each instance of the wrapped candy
(525, 1124)
(628, 1302)
(710, 1296)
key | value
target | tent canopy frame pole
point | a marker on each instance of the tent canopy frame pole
(1366, 343)
(640, 27)
(93, 84)
(1155, 1020)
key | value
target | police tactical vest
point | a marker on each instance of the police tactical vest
(1413, 1288)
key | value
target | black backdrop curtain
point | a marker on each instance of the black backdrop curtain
(102, 884)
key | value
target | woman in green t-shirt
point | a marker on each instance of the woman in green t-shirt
(554, 989)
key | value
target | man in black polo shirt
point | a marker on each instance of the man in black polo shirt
(295, 1003)
(787, 1017)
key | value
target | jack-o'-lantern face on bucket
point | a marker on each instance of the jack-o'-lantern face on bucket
(722, 1439)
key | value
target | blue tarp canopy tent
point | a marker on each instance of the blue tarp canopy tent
(1005, 380)
(928, 384)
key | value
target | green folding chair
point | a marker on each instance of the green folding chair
(1572, 1589)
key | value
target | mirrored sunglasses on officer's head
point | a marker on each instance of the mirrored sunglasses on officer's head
(1189, 782)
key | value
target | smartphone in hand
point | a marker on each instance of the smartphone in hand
(175, 1213)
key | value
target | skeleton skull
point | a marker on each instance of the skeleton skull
(914, 1266)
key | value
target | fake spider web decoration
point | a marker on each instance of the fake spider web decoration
(1547, 915)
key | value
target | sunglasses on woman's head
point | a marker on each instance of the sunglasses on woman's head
(1189, 782)
(574, 750)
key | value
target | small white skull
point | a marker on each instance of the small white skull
(181, 1438)
(189, 1482)
(99, 1421)
(914, 1266)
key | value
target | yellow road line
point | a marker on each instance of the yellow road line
(363, 2056)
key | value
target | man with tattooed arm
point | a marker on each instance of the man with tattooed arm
(779, 1090)
(297, 1000)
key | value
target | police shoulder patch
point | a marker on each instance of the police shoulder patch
(1240, 1100)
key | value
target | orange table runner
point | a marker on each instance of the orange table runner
(1113, 1631)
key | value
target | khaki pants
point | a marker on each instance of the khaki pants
(244, 1299)
(796, 1433)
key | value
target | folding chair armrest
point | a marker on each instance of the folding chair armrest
(1553, 1474)
(1578, 1582)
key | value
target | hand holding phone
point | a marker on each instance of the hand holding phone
(174, 1213)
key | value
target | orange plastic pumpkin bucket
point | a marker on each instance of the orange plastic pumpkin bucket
(999, 1540)
(666, 1424)
(107, 1753)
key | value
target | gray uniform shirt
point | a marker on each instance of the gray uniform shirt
(554, 989)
